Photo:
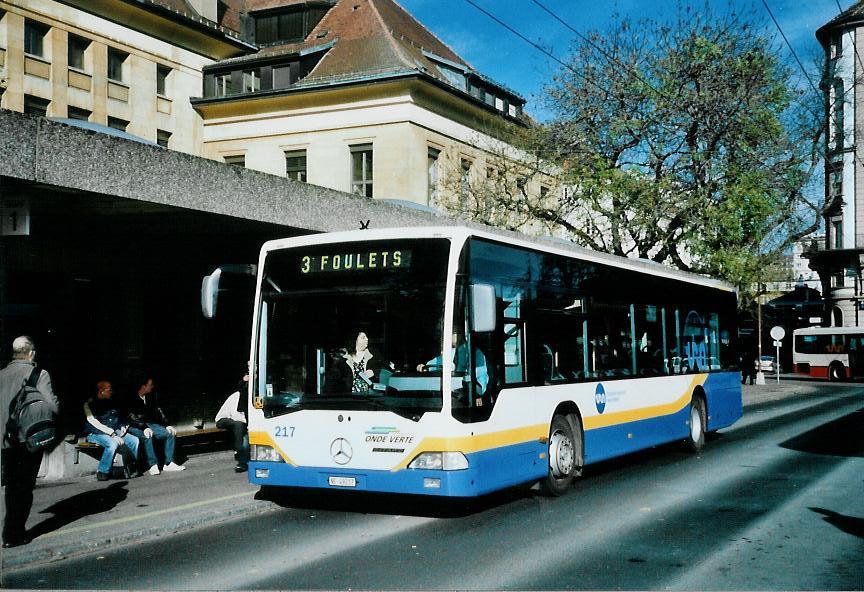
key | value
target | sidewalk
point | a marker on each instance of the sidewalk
(80, 514)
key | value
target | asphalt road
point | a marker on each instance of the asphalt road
(775, 502)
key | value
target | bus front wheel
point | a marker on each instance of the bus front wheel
(836, 372)
(565, 454)
(698, 419)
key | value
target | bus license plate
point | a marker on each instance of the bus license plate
(342, 481)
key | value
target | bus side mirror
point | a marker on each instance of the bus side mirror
(210, 285)
(483, 309)
(210, 293)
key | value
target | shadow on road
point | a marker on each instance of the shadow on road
(78, 506)
(848, 524)
(365, 502)
(841, 437)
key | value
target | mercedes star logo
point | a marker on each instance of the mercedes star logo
(341, 451)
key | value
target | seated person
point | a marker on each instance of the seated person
(104, 426)
(232, 417)
(148, 422)
(459, 358)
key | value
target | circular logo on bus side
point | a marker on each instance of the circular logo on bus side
(600, 398)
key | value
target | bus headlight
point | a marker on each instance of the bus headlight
(440, 461)
(261, 452)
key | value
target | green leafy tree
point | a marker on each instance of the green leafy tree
(686, 142)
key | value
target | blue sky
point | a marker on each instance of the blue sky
(507, 59)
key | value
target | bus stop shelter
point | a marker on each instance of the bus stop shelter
(104, 244)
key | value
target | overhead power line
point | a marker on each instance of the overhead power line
(789, 45)
(536, 46)
(599, 48)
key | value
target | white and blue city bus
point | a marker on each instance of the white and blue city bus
(570, 357)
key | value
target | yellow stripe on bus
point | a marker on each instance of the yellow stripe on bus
(621, 417)
(476, 443)
(536, 433)
(539, 432)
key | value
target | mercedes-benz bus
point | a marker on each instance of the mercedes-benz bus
(569, 357)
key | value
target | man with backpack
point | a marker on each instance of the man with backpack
(20, 465)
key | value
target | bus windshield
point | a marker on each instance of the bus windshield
(345, 326)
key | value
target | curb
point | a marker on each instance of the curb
(34, 556)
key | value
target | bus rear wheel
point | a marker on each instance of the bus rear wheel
(565, 454)
(836, 372)
(698, 423)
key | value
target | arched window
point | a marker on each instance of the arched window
(837, 317)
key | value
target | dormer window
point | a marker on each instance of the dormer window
(261, 75)
(288, 24)
(251, 80)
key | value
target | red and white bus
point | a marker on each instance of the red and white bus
(835, 353)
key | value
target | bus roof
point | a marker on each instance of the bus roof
(461, 233)
(828, 330)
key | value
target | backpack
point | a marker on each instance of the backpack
(32, 421)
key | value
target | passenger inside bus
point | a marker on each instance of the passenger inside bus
(355, 368)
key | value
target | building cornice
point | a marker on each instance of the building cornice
(365, 79)
(189, 31)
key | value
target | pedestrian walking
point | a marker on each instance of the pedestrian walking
(19, 466)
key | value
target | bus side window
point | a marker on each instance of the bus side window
(514, 353)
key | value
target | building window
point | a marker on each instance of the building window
(162, 73)
(34, 38)
(291, 25)
(116, 61)
(432, 157)
(251, 81)
(465, 174)
(36, 105)
(79, 114)
(238, 160)
(361, 170)
(295, 165)
(223, 84)
(837, 233)
(163, 137)
(77, 50)
(839, 100)
(117, 123)
(836, 187)
(836, 47)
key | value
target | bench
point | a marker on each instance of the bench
(188, 434)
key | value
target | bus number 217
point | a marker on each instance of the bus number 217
(284, 431)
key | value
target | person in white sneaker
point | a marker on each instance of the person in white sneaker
(148, 422)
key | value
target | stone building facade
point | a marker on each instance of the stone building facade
(838, 259)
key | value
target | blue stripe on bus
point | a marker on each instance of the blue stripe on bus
(496, 468)
(488, 471)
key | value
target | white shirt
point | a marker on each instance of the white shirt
(229, 409)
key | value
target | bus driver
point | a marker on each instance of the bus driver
(459, 358)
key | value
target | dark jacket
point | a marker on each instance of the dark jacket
(12, 378)
(340, 374)
(108, 417)
(143, 411)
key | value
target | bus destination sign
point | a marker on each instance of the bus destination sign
(356, 262)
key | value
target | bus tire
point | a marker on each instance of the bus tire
(565, 454)
(836, 372)
(698, 422)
